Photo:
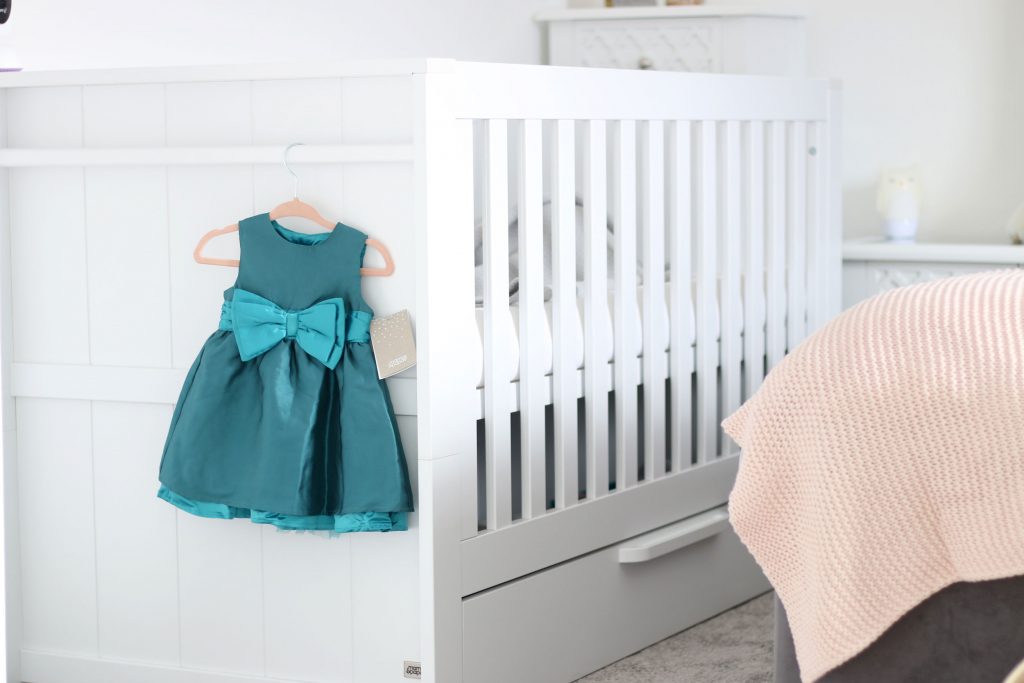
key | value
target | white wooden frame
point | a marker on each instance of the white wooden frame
(686, 167)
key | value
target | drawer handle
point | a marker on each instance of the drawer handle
(674, 537)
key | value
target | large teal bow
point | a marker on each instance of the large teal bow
(259, 324)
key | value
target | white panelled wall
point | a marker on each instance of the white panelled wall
(109, 311)
(10, 625)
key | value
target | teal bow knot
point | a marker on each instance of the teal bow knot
(259, 324)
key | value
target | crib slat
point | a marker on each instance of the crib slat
(730, 280)
(626, 313)
(706, 304)
(796, 278)
(830, 146)
(817, 236)
(463, 154)
(595, 308)
(564, 314)
(652, 216)
(681, 345)
(532, 321)
(775, 303)
(753, 261)
(497, 345)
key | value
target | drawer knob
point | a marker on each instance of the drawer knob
(645, 63)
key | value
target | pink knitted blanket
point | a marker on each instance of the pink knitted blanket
(883, 460)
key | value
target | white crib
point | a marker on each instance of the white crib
(568, 512)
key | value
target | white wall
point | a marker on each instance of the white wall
(56, 34)
(939, 82)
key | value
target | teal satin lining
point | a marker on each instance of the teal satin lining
(349, 522)
(306, 238)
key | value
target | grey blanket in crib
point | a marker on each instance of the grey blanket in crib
(513, 261)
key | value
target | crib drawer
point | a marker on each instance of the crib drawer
(564, 622)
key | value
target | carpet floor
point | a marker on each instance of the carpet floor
(734, 647)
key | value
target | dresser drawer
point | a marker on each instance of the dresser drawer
(679, 45)
(665, 40)
(563, 622)
(864, 279)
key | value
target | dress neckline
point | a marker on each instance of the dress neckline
(281, 233)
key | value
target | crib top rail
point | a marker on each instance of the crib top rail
(517, 91)
(493, 90)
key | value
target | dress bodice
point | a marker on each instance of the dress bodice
(295, 269)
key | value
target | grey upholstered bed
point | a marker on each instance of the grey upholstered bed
(966, 633)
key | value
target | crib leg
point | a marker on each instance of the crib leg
(446, 386)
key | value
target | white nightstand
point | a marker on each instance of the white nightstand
(705, 38)
(871, 266)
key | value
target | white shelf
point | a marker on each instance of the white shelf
(877, 249)
(192, 156)
(223, 72)
(670, 12)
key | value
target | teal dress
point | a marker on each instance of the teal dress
(281, 418)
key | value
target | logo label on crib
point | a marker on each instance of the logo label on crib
(393, 343)
(411, 669)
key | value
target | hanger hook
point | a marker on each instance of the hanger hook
(295, 193)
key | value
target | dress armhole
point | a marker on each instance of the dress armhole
(357, 285)
(359, 237)
(243, 237)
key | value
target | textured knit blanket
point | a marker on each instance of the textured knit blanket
(883, 460)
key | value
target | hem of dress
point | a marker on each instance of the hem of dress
(333, 524)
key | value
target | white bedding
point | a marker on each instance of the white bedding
(513, 262)
(636, 332)
(511, 327)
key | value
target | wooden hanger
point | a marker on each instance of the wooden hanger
(295, 208)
